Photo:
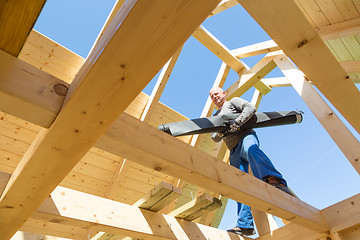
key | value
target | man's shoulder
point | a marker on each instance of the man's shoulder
(236, 100)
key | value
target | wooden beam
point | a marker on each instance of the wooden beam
(89, 110)
(163, 194)
(28, 92)
(337, 130)
(70, 207)
(353, 66)
(219, 49)
(256, 49)
(302, 44)
(150, 147)
(343, 215)
(339, 30)
(17, 18)
(253, 78)
(159, 87)
(196, 207)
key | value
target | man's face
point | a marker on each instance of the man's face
(217, 95)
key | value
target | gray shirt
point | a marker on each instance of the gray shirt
(235, 105)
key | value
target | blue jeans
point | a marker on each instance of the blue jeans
(248, 152)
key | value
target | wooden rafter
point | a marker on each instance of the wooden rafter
(290, 29)
(89, 109)
(16, 21)
(159, 87)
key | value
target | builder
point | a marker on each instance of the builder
(244, 150)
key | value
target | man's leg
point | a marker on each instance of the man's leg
(245, 218)
(260, 164)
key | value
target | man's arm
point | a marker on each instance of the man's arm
(246, 109)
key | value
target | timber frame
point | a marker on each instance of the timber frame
(66, 169)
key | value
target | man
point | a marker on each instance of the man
(244, 150)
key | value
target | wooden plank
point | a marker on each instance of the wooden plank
(341, 50)
(301, 43)
(343, 215)
(16, 21)
(27, 92)
(312, 9)
(256, 49)
(341, 135)
(347, 9)
(150, 147)
(330, 11)
(339, 30)
(218, 48)
(89, 110)
(74, 208)
(353, 45)
(253, 78)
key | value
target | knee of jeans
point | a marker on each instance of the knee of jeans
(251, 148)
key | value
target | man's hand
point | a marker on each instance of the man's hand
(234, 126)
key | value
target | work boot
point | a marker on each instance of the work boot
(276, 182)
(242, 231)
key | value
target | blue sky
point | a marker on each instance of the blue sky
(315, 168)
